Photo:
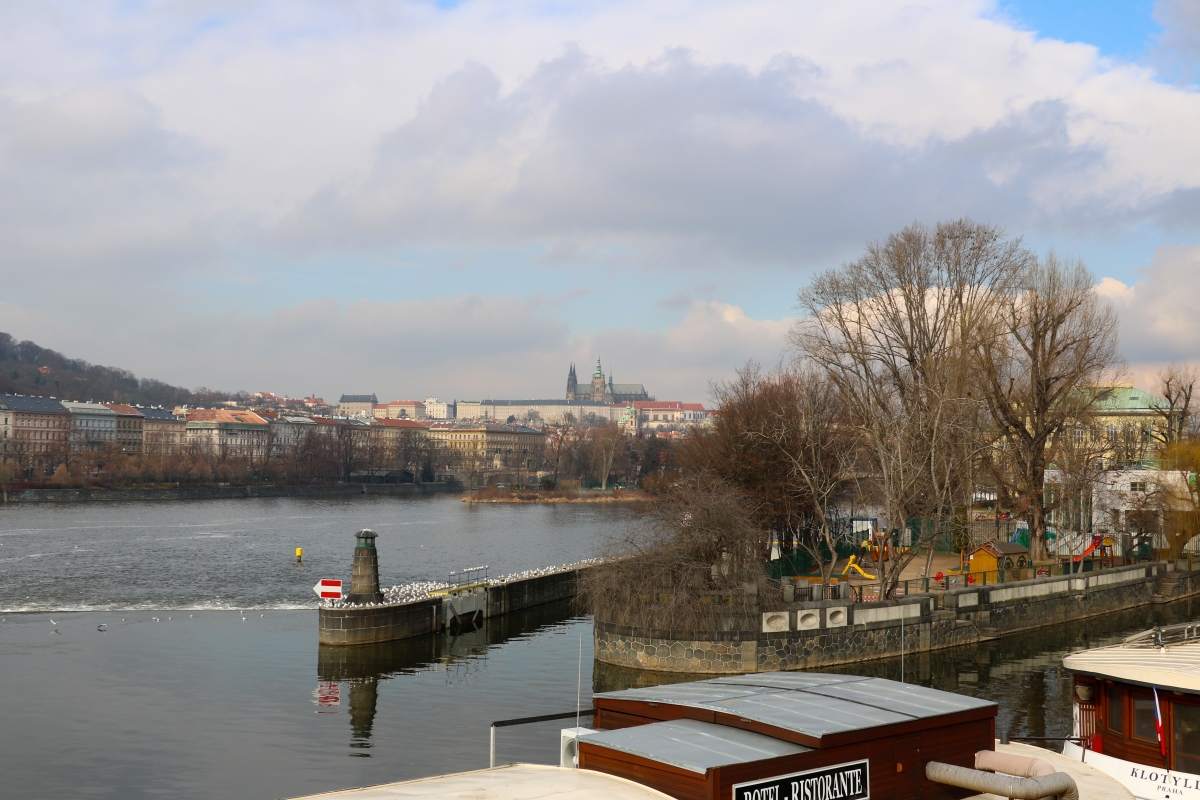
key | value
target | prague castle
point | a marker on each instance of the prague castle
(602, 392)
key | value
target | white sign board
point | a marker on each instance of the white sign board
(329, 590)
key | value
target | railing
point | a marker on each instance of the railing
(508, 723)
(1169, 634)
(1087, 719)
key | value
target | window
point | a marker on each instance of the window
(1116, 710)
(1143, 719)
(1187, 737)
(1137, 486)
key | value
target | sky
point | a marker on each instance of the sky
(462, 198)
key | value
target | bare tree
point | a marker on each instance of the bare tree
(895, 331)
(561, 439)
(804, 420)
(607, 440)
(1176, 384)
(695, 565)
(1056, 340)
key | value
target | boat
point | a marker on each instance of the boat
(776, 735)
(1136, 711)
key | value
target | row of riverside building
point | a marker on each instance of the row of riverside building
(37, 432)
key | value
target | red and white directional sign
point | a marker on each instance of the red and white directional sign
(329, 590)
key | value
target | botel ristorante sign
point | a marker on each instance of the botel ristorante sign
(849, 781)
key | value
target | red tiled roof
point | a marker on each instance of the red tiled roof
(121, 408)
(224, 415)
(401, 423)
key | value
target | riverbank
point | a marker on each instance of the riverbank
(226, 492)
(555, 496)
(817, 634)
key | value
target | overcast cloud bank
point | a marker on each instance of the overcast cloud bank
(183, 184)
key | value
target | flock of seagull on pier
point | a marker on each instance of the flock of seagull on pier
(423, 590)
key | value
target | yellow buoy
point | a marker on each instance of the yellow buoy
(299, 554)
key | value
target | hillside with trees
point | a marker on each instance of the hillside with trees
(27, 368)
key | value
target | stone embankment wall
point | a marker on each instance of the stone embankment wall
(809, 635)
(228, 492)
(349, 626)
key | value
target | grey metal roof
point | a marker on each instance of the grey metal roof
(787, 680)
(159, 414)
(807, 713)
(809, 703)
(903, 698)
(33, 405)
(693, 745)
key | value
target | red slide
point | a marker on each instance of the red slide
(1091, 547)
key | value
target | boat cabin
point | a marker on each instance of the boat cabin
(1115, 692)
(787, 734)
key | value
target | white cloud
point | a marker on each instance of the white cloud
(180, 175)
(461, 347)
(1159, 318)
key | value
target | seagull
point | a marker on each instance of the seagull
(101, 627)
(52, 622)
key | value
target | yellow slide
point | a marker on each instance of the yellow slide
(852, 566)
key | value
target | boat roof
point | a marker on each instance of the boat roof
(813, 705)
(512, 782)
(693, 745)
(1167, 658)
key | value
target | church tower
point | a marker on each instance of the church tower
(572, 385)
(598, 383)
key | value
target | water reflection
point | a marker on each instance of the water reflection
(356, 673)
(1023, 672)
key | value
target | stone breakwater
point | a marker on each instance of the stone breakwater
(424, 590)
(368, 623)
(810, 635)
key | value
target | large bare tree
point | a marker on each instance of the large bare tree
(803, 418)
(1176, 385)
(896, 331)
(1055, 342)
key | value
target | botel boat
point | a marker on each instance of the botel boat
(1136, 709)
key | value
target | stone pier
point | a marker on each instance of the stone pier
(387, 623)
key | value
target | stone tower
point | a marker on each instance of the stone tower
(572, 385)
(598, 383)
(364, 573)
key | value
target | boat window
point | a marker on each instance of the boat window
(1143, 719)
(1116, 709)
(1187, 737)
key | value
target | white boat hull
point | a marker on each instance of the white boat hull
(1143, 782)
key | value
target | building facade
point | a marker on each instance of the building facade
(436, 409)
(163, 431)
(129, 427)
(223, 432)
(536, 412)
(93, 425)
(483, 446)
(400, 409)
(357, 405)
(41, 429)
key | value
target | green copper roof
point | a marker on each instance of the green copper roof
(1127, 398)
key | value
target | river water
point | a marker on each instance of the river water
(208, 682)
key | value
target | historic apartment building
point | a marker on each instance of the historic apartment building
(226, 432)
(93, 425)
(129, 427)
(38, 427)
(163, 431)
(488, 445)
(357, 405)
(400, 409)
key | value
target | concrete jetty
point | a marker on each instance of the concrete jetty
(369, 620)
